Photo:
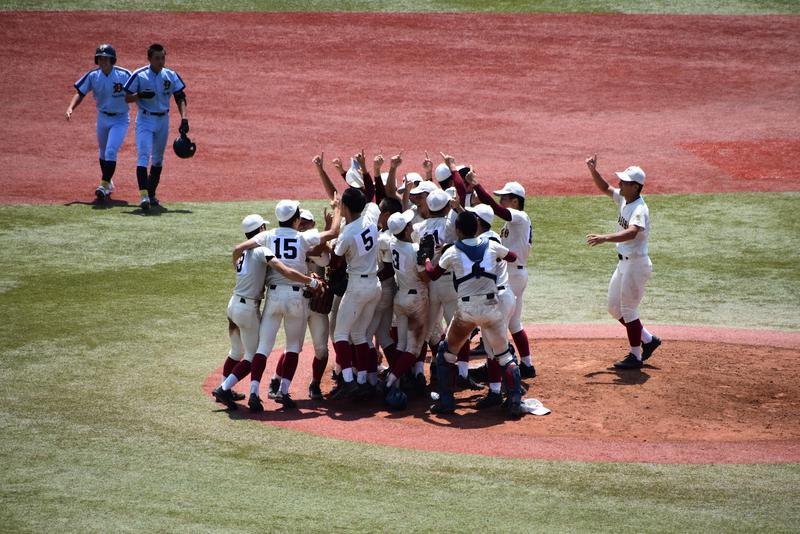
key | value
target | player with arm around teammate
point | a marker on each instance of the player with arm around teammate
(626, 288)
(106, 83)
(151, 88)
(244, 307)
(472, 261)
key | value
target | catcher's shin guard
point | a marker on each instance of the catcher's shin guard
(513, 383)
(444, 376)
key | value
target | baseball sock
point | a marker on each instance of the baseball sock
(344, 358)
(494, 375)
(419, 366)
(279, 366)
(240, 371)
(257, 371)
(393, 334)
(523, 347)
(647, 337)
(155, 178)
(228, 366)
(634, 329)
(463, 360)
(390, 353)
(141, 179)
(289, 368)
(372, 367)
(404, 362)
(318, 368)
(362, 361)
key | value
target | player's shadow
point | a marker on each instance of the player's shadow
(157, 211)
(619, 377)
(113, 203)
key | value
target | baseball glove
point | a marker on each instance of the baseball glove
(322, 299)
(427, 248)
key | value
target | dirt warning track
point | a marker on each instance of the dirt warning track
(702, 103)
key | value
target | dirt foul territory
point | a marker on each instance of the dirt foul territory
(701, 103)
(707, 396)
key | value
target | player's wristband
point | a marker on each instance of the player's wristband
(314, 284)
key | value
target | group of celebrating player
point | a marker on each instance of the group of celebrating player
(406, 268)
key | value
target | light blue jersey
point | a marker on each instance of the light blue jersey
(107, 91)
(165, 84)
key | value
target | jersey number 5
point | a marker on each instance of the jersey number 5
(288, 250)
(367, 239)
(395, 260)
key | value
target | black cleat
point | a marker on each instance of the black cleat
(225, 397)
(527, 371)
(154, 202)
(420, 385)
(254, 402)
(630, 362)
(286, 400)
(491, 399)
(468, 383)
(237, 396)
(145, 204)
(649, 348)
(442, 408)
(274, 384)
(364, 392)
(479, 374)
(100, 193)
(314, 391)
(345, 391)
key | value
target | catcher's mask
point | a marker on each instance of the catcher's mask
(183, 147)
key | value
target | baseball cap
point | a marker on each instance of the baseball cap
(437, 200)
(354, 179)
(424, 187)
(252, 222)
(632, 174)
(463, 170)
(483, 211)
(398, 221)
(286, 209)
(451, 191)
(413, 177)
(512, 188)
(442, 172)
(535, 407)
(307, 215)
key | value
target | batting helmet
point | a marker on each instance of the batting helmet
(183, 146)
(105, 50)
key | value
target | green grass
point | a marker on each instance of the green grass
(110, 321)
(740, 7)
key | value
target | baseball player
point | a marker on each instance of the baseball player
(626, 289)
(516, 235)
(285, 300)
(244, 306)
(410, 304)
(472, 262)
(151, 88)
(106, 83)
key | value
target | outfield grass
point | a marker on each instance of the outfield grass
(111, 321)
(729, 7)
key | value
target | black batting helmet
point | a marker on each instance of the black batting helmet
(105, 50)
(183, 146)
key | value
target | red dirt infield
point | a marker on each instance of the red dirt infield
(702, 103)
(708, 395)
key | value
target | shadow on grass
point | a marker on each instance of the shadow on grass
(157, 211)
(101, 205)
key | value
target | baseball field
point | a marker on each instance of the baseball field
(112, 321)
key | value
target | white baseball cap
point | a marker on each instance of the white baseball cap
(512, 188)
(424, 187)
(398, 221)
(437, 200)
(442, 172)
(412, 177)
(483, 211)
(451, 191)
(354, 179)
(307, 215)
(632, 174)
(286, 209)
(252, 222)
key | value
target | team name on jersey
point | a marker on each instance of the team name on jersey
(622, 222)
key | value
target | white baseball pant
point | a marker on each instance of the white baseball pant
(246, 316)
(518, 280)
(356, 309)
(442, 302)
(381, 323)
(287, 305)
(411, 314)
(626, 289)
(318, 326)
(489, 315)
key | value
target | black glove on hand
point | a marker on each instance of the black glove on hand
(184, 127)
(147, 94)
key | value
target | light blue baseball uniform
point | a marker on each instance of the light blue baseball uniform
(112, 110)
(152, 120)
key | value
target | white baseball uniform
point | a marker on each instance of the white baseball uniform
(626, 289)
(411, 301)
(244, 307)
(112, 110)
(285, 300)
(504, 292)
(381, 322)
(319, 323)
(517, 235)
(441, 293)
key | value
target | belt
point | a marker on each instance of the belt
(110, 114)
(520, 266)
(366, 275)
(412, 291)
(254, 301)
(154, 113)
(501, 288)
(489, 296)
(621, 257)
(294, 288)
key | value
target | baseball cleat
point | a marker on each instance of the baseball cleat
(237, 396)
(364, 392)
(286, 400)
(254, 402)
(225, 397)
(145, 204)
(467, 382)
(314, 391)
(491, 399)
(527, 371)
(649, 348)
(154, 201)
(630, 362)
(344, 391)
(101, 193)
(419, 383)
(274, 384)
(515, 408)
(443, 408)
